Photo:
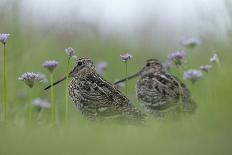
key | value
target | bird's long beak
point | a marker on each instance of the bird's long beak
(55, 83)
(62, 79)
(128, 78)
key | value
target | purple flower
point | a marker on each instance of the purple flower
(214, 58)
(176, 57)
(4, 37)
(101, 67)
(191, 42)
(30, 78)
(50, 65)
(70, 52)
(168, 65)
(193, 75)
(126, 57)
(41, 103)
(205, 68)
(119, 85)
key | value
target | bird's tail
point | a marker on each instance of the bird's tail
(189, 105)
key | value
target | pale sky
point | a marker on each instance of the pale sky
(133, 17)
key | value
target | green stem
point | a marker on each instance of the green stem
(66, 91)
(53, 107)
(4, 84)
(29, 106)
(126, 83)
(180, 90)
(39, 114)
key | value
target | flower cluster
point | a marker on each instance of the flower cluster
(70, 52)
(4, 37)
(50, 65)
(30, 78)
(176, 57)
(193, 75)
(126, 57)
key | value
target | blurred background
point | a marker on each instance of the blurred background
(141, 23)
(102, 30)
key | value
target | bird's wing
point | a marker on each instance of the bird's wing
(106, 98)
(189, 105)
(154, 91)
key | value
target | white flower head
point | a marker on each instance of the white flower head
(41, 103)
(214, 58)
(30, 78)
(4, 37)
(126, 57)
(70, 52)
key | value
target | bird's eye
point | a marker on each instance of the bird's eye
(79, 63)
(148, 64)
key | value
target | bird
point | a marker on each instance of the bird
(160, 92)
(96, 98)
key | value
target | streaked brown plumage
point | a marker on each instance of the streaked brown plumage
(160, 92)
(96, 98)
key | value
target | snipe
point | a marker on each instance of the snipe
(160, 92)
(95, 97)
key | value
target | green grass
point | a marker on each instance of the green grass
(206, 132)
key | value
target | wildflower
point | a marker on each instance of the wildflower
(50, 65)
(3, 40)
(119, 85)
(101, 67)
(191, 42)
(4, 37)
(41, 103)
(205, 68)
(30, 78)
(193, 75)
(214, 58)
(126, 57)
(176, 57)
(70, 52)
(168, 65)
